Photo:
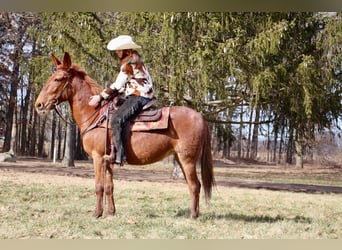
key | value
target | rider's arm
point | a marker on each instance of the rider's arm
(119, 85)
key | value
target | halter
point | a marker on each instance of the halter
(54, 101)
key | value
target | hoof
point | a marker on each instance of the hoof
(111, 211)
(194, 216)
(97, 215)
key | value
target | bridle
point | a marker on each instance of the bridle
(54, 102)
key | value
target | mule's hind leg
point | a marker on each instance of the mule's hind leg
(188, 166)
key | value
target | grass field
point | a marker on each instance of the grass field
(35, 205)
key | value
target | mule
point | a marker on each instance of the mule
(187, 136)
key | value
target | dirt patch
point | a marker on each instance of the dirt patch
(162, 173)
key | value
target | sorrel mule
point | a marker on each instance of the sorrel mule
(187, 136)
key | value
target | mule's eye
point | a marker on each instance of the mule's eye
(58, 79)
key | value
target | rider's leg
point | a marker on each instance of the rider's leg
(131, 107)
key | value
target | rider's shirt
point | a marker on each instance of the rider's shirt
(139, 83)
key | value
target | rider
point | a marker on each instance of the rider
(135, 81)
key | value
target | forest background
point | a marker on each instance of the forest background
(269, 84)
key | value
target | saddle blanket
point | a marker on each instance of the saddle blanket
(162, 123)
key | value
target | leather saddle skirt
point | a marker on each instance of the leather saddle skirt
(149, 115)
(151, 120)
(148, 119)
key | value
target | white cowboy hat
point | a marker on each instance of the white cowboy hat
(122, 42)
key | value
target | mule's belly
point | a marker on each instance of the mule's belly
(148, 147)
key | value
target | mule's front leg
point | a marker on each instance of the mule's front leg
(99, 187)
(99, 200)
(109, 190)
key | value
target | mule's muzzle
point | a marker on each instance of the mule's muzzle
(40, 108)
(43, 108)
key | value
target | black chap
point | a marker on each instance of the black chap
(120, 120)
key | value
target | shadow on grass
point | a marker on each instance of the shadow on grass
(243, 217)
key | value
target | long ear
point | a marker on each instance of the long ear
(66, 60)
(55, 60)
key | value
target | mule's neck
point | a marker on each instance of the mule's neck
(83, 114)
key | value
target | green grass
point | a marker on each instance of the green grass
(45, 206)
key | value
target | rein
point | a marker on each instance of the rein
(72, 122)
(61, 116)
(54, 102)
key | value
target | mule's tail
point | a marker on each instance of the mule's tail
(207, 172)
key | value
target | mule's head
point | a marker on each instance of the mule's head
(55, 90)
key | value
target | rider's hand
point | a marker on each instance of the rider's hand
(94, 100)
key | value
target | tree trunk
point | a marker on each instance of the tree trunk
(69, 154)
(32, 131)
(299, 143)
(240, 154)
(248, 153)
(226, 149)
(280, 151)
(275, 143)
(289, 148)
(42, 123)
(59, 139)
(13, 135)
(268, 147)
(53, 136)
(24, 123)
(255, 141)
(11, 109)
